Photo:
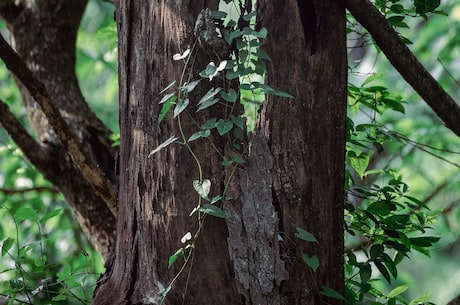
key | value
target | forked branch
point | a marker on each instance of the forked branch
(69, 140)
(406, 63)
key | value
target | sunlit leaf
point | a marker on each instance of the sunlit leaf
(7, 244)
(397, 291)
(202, 187)
(173, 258)
(24, 213)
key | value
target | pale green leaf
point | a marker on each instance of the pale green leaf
(7, 244)
(162, 145)
(397, 291)
(202, 187)
(180, 106)
(167, 87)
(199, 134)
(24, 213)
(50, 215)
(212, 210)
(167, 97)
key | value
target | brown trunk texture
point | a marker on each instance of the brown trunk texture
(306, 135)
(292, 178)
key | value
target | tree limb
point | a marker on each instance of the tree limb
(76, 150)
(406, 63)
(33, 151)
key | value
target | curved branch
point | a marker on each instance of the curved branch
(406, 63)
(90, 170)
(32, 150)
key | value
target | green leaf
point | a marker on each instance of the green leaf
(180, 106)
(231, 75)
(162, 145)
(238, 159)
(207, 103)
(391, 266)
(50, 215)
(199, 134)
(312, 262)
(167, 97)
(282, 94)
(359, 162)
(383, 270)
(172, 259)
(215, 199)
(231, 96)
(380, 207)
(424, 241)
(397, 291)
(24, 213)
(167, 87)
(365, 272)
(209, 124)
(59, 297)
(190, 86)
(426, 6)
(397, 8)
(247, 17)
(209, 95)
(212, 210)
(262, 55)
(218, 14)
(202, 187)
(164, 111)
(260, 34)
(376, 251)
(332, 293)
(7, 244)
(238, 120)
(224, 127)
(305, 235)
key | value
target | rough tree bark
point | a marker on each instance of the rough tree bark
(44, 35)
(293, 177)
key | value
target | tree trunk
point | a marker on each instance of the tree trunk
(292, 178)
(307, 44)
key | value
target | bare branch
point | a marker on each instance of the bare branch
(406, 63)
(76, 150)
(39, 189)
(33, 151)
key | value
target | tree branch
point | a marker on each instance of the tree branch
(406, 63)
(90, 170)
(39, 189)
(33, 151)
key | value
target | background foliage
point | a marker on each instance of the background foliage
(407, 153)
